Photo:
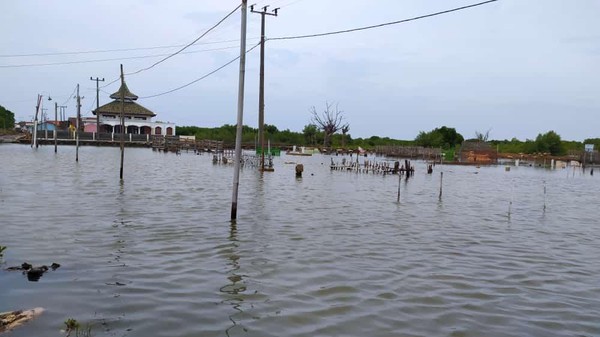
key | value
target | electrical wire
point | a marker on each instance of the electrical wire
(177, 52)
(118, 50)
(110, 59)
(70, 96)
(92, 105)
(201, 78)
(289, 3)
(189, 44)
(382, 24)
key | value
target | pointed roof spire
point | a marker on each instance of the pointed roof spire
(128, 94)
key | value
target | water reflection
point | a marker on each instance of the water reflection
(237, 286)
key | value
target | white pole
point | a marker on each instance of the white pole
(240, 114)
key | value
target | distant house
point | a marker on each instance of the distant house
(137, 119)
(24, 126)
(48, 125)
(475, 151)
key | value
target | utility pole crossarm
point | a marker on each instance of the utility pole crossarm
(264, 10)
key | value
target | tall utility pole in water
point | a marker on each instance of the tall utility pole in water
(261, 92)
(77, 125)
(240, 114)
(122, 95)
(55, 125)
(97, 79)
(35, 122)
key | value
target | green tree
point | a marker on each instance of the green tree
(310, 133)
(271, 129)
(549, 142)
(443, 137)
(7, 118)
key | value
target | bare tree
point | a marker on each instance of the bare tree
(482, 137)
(345, 129)
(329, 121)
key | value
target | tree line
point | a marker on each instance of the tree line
(444, 137)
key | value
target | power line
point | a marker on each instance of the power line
(189, 44)
(201, 78)
(117, 50)
(382, 24)
(110, 59)
(179, 51)
(289, 3)
(70, 96)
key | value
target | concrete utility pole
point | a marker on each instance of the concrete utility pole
(261, 92)
(35, 122)
(240, 114)
(44, 118)
(122, 94)
(97, 79)
(55, 126)
(77, 125)
(62, 112)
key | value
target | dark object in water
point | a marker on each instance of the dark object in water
(54, 266)
(24, 266)
(34, 274)
(299, 170)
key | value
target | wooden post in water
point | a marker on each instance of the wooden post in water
(441, 179)
(544, 195)
(399, 184)
(122, 94)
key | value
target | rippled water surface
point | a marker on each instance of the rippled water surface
(330, 254)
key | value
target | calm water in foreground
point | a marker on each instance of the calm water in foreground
(331, 254)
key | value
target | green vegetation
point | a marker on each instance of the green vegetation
(7, 118)
(73, 326)
(549, 142)
(443, 137)
(2, 249)
(595, 141)
(310, 136)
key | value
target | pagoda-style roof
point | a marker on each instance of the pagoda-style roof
(130, 108)
(128, 94)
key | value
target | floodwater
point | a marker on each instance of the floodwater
(330, 254)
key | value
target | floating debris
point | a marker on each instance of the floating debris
(12, 319)
(33, 273)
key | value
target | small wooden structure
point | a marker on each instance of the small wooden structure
(477, 152)
(412, 152)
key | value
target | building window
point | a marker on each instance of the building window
(141, 118)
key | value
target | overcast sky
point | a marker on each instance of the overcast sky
(517, 67)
